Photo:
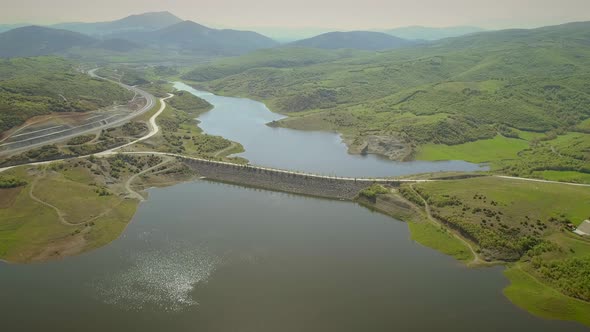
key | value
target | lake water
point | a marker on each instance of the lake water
(206, 256)
(244, 121)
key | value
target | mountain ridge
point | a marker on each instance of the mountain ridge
(361, 40)
(417, 32)
(149, 21)
(36, 40)
(185, 37)
(190, 36)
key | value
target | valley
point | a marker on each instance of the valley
(173, 172)
(450, 96)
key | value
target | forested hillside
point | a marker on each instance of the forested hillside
(37, 86)
(273, 59)
(36, 41)
(520, 85)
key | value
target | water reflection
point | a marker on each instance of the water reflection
(214, 257)
(157, 278)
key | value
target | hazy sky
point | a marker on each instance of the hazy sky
(347, 14)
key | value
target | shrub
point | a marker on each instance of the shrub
(374, 190)
(11, 182)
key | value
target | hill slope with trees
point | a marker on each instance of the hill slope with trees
(513, 86)
(38, 86)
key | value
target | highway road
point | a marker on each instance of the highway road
(154, 129)
(21, 141)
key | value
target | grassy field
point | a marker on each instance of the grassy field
(563, 176)
(536, 297)
(554, 157)
(525, 224)
(489, 150)
(564, 157)
(468, 201)
(67, 208)
(32, 231)
(83, 203)
(423, 231)
(439, 239)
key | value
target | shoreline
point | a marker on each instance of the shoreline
(289, 189)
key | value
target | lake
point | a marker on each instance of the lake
(205, 256)
(244, 120)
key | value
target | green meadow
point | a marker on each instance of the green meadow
(488, 150)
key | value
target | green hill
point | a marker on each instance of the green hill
(7, 27)
(451, 92)
(35, 41)
(37, 86)
(147, 37)
(141, 22)
(190, 37)
(273, 59)
(38, 41)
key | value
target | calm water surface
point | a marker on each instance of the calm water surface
(244, 121)
(205, 256)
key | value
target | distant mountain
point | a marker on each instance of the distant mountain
(361, 40)
(35, 40)
(6, 27)
(117, 45)
(191, 37)
(288, 35)
(428, 33)
(142, 23)
(184, 37)
(576, 34)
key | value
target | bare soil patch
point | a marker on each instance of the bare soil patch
(67, 246)
(8, 196)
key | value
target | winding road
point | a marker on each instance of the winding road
(476, 260)
(134, 176)
(59, 133)
(154, 129)
(62, 216)
(541, 181)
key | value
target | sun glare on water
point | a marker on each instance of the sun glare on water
(161, 279)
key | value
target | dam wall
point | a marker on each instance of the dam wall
(280, 180)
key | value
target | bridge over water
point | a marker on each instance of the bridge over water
(265, 177)
(281, 179)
